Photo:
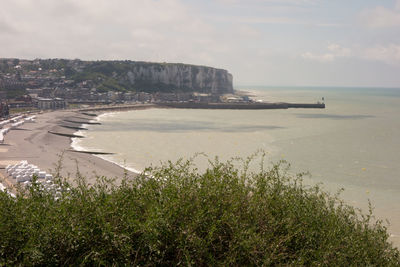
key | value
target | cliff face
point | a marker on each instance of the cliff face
(180, 77)
(120, 75)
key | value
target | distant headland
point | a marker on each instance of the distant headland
(90, 79)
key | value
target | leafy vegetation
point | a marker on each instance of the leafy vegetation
(175, 215)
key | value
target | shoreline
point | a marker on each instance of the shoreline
(36, 144)
(103, 154)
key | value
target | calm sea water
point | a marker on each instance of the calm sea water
(352, 144)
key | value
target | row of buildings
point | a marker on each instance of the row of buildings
(40, 103)
(48, 84)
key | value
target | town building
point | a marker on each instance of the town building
(51, 103)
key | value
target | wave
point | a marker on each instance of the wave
(102, 116)
(76, 143)
(116, 162)
(2, 187)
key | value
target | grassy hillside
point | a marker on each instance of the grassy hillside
(223, 216)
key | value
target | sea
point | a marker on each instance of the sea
(354, 143)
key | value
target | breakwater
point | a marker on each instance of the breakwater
(196, 105)
(281, 105)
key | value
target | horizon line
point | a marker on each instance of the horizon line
(320, 86)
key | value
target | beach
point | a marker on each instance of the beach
(34, 143)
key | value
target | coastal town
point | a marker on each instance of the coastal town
(49, 84)
(31, 139)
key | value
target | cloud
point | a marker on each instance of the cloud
(389, 54)
(334, 52)
(273, 20)
(279, 2)
(258, 41)
(266, 20)
(151, 30)
(247, 31)
(319, 57)
(228, 2)
(339, 51)
(6, 27)
(381, 17)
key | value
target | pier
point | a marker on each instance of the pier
(200, 105)
(282, 105)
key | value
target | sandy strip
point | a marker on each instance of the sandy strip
(36, 145)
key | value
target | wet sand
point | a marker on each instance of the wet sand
(34, 143)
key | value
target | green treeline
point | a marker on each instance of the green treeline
(175, 215)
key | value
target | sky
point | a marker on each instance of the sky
(260, 42)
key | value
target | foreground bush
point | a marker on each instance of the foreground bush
(223, 216)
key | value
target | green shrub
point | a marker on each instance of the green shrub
(175, 215)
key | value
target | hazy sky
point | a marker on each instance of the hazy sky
(261, 42)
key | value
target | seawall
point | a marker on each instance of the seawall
(282, 105)
(193, 105)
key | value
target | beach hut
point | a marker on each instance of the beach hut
(3, 123)
(15, 119)
(30, 119)
(16, 124)
(23, 178)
